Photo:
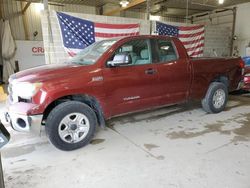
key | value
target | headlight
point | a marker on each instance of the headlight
(26, 90)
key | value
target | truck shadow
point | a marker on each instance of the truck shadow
(241, 132)
(154, 114)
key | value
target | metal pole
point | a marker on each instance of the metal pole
(187, 12)
(148, 10)
(45, 4)
(1, 9)
(233, 30)
(1, 174)
(50, 38)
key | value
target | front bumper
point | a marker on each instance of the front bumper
(23, 123)
(16, 116)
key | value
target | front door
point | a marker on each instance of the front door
(136, 86)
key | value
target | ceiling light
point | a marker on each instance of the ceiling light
(39, 7)
(155, 18)
(221, 2)
(124, 3)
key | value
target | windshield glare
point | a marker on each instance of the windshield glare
(92, 53)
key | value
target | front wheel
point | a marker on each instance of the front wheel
(71, 125)
(216, 98)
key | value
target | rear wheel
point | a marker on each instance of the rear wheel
(71, 125)
(216, 98)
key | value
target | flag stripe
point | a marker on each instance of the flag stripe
(197, 53)
(116, 31)
(111, 35)
(193, 44)
(188, 42)
(191, 35)
(190, 28)
(194, 47)
(116, 26)
(192, 38)
(191, 31)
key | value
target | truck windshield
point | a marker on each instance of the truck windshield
(92, 53)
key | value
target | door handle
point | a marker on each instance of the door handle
(150, 71)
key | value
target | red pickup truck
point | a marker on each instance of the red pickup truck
(114, 77)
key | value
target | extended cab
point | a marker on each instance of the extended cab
(114, 77)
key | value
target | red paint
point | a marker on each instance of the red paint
(174, 82)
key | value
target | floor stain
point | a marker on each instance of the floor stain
(188, 134)
(150, 146)
(161, 157)
(238, 138)
(18, 151)
(239, 102)
(245, 129)
(21, 160)
(101, 149)
(96, 141)
(242, 133)
(21, 150)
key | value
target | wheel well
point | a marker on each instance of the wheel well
(90, 101)
(222, 79)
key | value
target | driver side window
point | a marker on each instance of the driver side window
(138, 50)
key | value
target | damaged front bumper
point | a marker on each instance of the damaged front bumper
(16, 116)
(23, 123)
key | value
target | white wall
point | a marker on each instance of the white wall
(225, 19)
(218, 35)
(242, 30)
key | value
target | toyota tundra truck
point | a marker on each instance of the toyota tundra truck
(114, 77)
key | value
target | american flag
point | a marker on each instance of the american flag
(192, 37)
(79, 33)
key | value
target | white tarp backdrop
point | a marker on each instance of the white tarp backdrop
(8, 51)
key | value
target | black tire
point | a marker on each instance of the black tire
(208, 102)
(62, 111)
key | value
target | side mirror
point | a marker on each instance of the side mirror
(120, 59)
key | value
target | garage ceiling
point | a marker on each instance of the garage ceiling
(160, 7)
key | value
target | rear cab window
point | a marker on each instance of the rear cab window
(165, 50)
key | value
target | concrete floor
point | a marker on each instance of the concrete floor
(174, 147)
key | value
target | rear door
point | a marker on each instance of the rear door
(132, 87)
(174, 72)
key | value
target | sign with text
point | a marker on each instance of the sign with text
(29, 54)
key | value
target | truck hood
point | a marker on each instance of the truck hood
(46, 72)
